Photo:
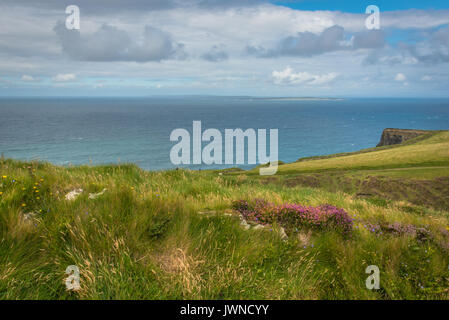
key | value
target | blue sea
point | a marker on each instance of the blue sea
(67, 131)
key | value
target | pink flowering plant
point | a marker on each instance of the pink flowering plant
(295, 216)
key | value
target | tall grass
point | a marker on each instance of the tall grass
(147, 237)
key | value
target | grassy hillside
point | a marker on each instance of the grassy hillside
(415, 172)
(174, 234)
(433, 151)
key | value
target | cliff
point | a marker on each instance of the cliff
(396, 136)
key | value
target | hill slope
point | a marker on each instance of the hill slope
(433, 151)
(416, 171)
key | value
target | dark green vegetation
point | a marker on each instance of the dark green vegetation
(381, 186)
(173, 234)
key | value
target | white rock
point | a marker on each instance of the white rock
(243, 223)
(207, 213)
(72, 195)
(96, 195)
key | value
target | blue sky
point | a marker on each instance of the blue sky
(247, 47)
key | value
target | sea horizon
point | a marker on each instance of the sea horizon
(110, 130)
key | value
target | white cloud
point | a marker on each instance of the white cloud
(29, 46)
(400, 77)
(110, 43)
(325, 78)
(27, 78)
(426, 78)
(287, 76)
(64, 77)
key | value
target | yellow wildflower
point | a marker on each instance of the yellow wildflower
(1, 193)
(42, 180)
(4, 177)
(24, 205)
(37, 198)
(37, 191)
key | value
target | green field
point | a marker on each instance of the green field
(433, 151)
(174, 235)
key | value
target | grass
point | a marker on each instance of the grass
(416, 172)
(433, 151)
(422, 137)
(173, 234)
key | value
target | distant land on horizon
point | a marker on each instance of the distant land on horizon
(297, 98)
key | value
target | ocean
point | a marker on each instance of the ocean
(74, 131)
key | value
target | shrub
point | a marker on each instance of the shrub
(398, 229)
(293, 216)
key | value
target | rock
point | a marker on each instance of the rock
(245, 224)
(251, 225)
(257, 226)
(72, 195)
(208, 213)
(96, 195)
(396, 136)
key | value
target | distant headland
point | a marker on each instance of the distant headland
(296, 99)
(392, 136)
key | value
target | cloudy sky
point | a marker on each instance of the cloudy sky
(224, 47)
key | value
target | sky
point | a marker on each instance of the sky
(271, 48)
